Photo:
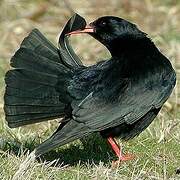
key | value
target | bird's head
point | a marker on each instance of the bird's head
(113, 32)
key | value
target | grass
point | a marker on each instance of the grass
(156, 149)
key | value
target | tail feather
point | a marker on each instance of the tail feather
(22, 75)
(36, 42)
(26, 119)
(15, 101)
(36, 87)
(36, 92)
(27, 59)
(19, 110)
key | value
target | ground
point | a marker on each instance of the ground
(157, 148)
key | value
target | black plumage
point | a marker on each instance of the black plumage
(116, 97)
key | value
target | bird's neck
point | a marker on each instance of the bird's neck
(135, 56)
(130, 46)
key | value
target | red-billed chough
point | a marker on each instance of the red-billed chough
(118, 97)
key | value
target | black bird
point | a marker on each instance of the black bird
(118, 97)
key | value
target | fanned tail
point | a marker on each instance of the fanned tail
(36, 87)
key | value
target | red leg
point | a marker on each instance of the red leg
(118, 152)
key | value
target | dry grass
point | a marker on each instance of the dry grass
(157, 148)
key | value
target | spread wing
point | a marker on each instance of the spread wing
(137, 99)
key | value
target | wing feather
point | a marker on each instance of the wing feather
(131, 105)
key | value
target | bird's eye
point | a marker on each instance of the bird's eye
(103, 23)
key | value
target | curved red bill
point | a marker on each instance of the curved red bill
(87, 29)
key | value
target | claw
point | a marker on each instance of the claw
(121, 157)
(124, 157)
(127, 157)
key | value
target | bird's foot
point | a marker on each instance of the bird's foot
(127, 157)
(118, 151)
(122, 158)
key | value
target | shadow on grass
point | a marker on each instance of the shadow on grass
(15, 147)
(92, 149)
